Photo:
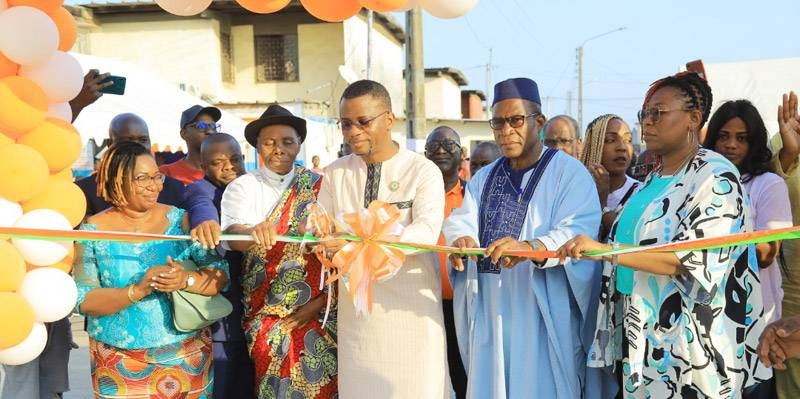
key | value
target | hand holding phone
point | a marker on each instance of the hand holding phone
(114, 85)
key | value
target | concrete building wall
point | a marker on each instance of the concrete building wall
(442, 98)
(187, 51)
(387, 61)
(471, 106)
(182, 51)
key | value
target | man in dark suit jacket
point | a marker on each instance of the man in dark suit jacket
(129, 127)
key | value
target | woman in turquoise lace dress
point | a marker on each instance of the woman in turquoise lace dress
(135, 350)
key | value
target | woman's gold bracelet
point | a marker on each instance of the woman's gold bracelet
(130, 294)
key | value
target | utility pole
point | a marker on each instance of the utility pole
(547, 106)
(580, 87)
(569, 103)
(579, 51)
(489, 89)
(415, 76)
(370, 20)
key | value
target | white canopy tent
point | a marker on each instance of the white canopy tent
(763, 82)
(158, 102)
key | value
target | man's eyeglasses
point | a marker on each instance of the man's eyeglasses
(361, 123)
(515, 121)
(451, 146)
(558, 142)
(205, 125)
(654, 114)
(144, 181)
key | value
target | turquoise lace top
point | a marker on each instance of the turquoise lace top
(629, 219)
(105, 264)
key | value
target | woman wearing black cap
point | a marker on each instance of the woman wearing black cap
(292, 352)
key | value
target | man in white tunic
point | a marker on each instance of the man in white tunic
(524, 326)
(398, 351)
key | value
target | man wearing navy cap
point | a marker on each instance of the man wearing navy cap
(197, 122)
(523, 324)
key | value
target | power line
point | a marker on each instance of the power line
(524, 28)
(477, 37)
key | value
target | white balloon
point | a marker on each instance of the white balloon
(448, 9)
(51, 293)
(41, 252)
(9, 212)
(61, 111)
(184, 8)
(27, 350)
(28, 36)
(61, 76)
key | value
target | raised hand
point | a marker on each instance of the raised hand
(601, 179)
(789, 124)
(93, 82)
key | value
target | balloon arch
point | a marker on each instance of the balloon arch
(330, 10)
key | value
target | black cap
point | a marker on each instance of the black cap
(274, 115)
(191, 113)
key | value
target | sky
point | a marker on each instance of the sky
(538, 38)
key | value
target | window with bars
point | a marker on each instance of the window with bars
(276, 58)
(227, 57)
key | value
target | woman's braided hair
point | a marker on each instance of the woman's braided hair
(116, 170)
(595, 138)
(693, 86)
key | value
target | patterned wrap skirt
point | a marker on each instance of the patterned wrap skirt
(181, 370)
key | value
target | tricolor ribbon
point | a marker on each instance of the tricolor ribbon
(762, 236)
(374, 252)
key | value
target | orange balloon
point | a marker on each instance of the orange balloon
(67, 30)
(23, 106)
(61, 196)
(17, 316)
(384, 5)
(332, 10)
(12, 267)
(5, 140)
(65, 265)
(64, 175)
(44, 5)
(57, 140)
(23, 172)
(263, 6)
(7, 67)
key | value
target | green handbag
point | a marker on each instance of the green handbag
(191, 312)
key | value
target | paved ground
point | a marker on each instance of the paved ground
(79, 380)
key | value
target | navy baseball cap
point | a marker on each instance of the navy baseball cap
(191, 113)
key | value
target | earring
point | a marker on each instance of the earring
(689, 135)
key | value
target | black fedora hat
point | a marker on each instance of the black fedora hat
(274, 115)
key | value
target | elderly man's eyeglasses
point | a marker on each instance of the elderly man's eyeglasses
(205, 125)
(144, 181)
(558, 142)
(515, 121)
(654, 114)
(361, 123)
(451, 146)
